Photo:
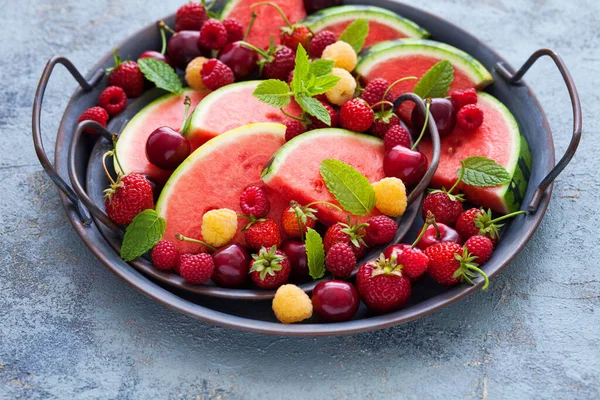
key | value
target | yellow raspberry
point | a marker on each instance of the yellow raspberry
(390, 196)
(291, 304)
(342, 54)
(219, 226)
(343, 90)
(192, 73)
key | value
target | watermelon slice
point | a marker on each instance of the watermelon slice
(167, 110)
(383, 24)
(230, 107)
(268, 21)
(497, 138)
(294, 170)
(214, 176)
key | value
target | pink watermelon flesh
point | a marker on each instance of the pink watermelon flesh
(378, 32)
(268, 22)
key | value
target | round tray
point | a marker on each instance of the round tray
(257, 315)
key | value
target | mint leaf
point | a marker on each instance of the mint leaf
(482, 171)
(315, 254)
(146, 229)
(273, 92)
(321, 67)
(436, 82)
(161, 74)
(356, 33)
(301, 69)
(323, 84)
(350, 188)
(313, 107)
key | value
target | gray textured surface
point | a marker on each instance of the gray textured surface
(69, 328)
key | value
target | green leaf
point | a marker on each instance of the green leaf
(161, 74)
(301, 70)
(323, 84)
(350, 188)
(313, 107)
(436, 82)
(315, 254)
(356, 33)
(273, 92)
(146, 229)
(321, 67)
(482, 171)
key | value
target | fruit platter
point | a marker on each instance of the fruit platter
(304, 167)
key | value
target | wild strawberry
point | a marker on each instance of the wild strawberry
(470, 117)
(342, 54)
(318, 124)
(219, 226)
(475, 221)
(127, 76)
(356, 115)
(296, 216)
(215, 74)
(97, 114)
(445, 206)
(382, 285)
(293, 128)
(262, 233)
(291, 304)
(461, 98)
(165, 256)
(383, 121)
(375, 90)
(397, 135)
(319, 42)
(113, 99)
(128, 197)
(279, 64)
(390, 196)
(270, 269)
(450, 263)
(235, 30)
(343, 90)
(292, 35)
(254, 202)
(346, 233)
(190, 17)
(480, 247)
(380, 230)
(414, 262)
(340, 260)
(196, 268)
(213, 35)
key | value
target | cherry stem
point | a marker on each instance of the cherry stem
(382, 104)
(483, 275)
(252, 19)
(166, 27)
(121, 170)
(460, 177)
(163, 37)
(263, 53)
(514, 214)
(427, 106)
(188, 103)
(291, 116)
(108, 153)
(421, 234)
(268, 3)
(324, 203)
(179, 236)
(406, 78)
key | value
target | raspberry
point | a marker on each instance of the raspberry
(262, 233)
(215, 74)
(319, 42)
(280, 64)
(113, 99)
(193, 75)
(235, 30)
(97, 114)
(382, 123)
(381, 230)
(480, 247)
(128, 197)
(291, 304)
(390, 196)
(344, 233)
(397, 135)
(165, 256)
(127, 75)
(190, 17)
(196, 268)
(414, 262)
(270, 268)
(375, 90)
(219, 226)
(254, 202)
(470, 117)
(318, 124)
(356, 115)
(445, 207)
(342, 54)
(293, 128)
(340, 260)
(461, 98)
(213, 35)
(290, 216)
(343, 90)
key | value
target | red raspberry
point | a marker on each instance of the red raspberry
(280, 64)
(131, 195)
(319, 42)
(318, 124)
(290, 77)
(461, 98)
(340, 260)
(293, 128)
(381, 230)
(165, 256)
(113, 99)
(196, 268)
(213, 35)
(375, 90)
(383, 122)
(396, 136)
(480, 247)
(445, 207)
(414, 262)
(235, 30)
(356, 115)
(97, 114)
(470, 117)
(262, 233)
(215, 74)
(300, 35)
(254, 202)
(190, 17)
(344, 233)
(127, 75)
(270, 268)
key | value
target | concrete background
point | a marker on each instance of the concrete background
(70, 329)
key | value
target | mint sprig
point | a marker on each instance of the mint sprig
(315, 253)
(483, 172)
(356, 33)
(146, 229)
(161, 74)
(273, 92)
(436, 82)
(350, 188)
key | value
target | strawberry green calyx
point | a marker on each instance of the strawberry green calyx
(489, 226)
(117, 60)
(355, 232)
(182, 238)
(469, 269)
(267, 262)
(385, 266)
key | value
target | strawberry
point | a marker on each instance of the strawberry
(444, 206)
(291, 35)
(475, 221)
(346, 233)
(382, 122)
(196, 268)
(127, 197)
(165, 256)
(414, 262)
(296, 216)
(356, 115)
(340, 260)
(380, 230)
(190, 17)
(262, 232)
(254, 202)
(397, 135)
(319, 42)
(382, 285)
(451, 263)
(270, 269)
(480, 247)
(127, 76)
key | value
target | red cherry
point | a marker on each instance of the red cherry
(406, 164)
(183, 48)
(167, 148)
(240, 59)
(442, 112)
(446, 234)
(157, 55)
(296, 252)
(335, 301)
(232, 264)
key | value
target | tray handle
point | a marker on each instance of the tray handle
(515, 78)
(87, 86)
